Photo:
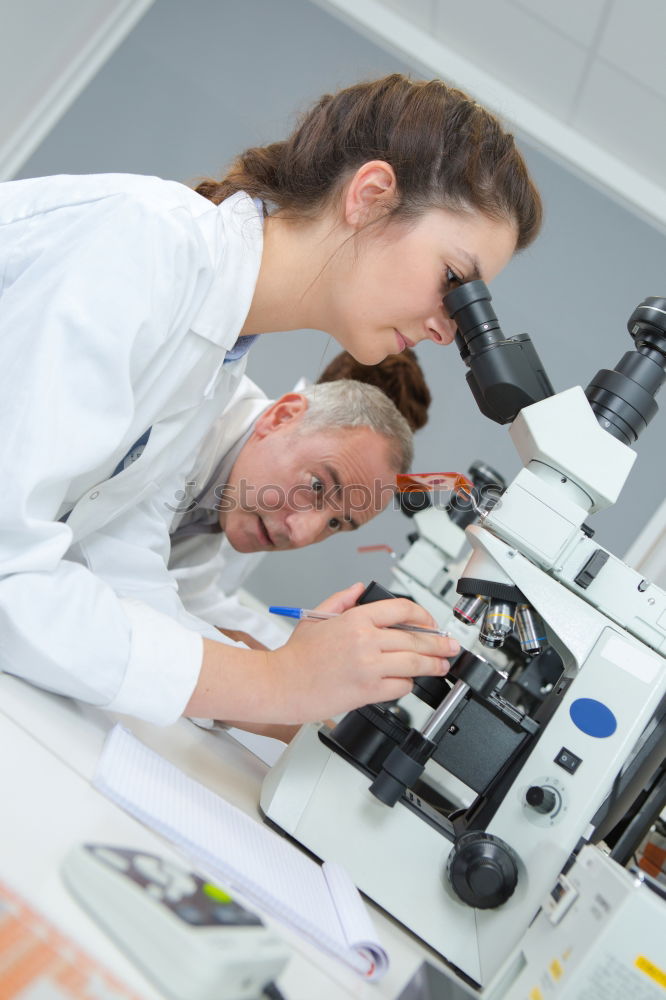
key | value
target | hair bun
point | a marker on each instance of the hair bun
(399, 376)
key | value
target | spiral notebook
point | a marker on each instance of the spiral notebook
(319, 901)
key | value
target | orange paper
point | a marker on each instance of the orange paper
(36, 956)
(429, 482)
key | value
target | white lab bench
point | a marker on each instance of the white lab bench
(49, 748)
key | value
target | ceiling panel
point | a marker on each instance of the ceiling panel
(523, 52)
(544, 67)
(607, 114)
(633, 40)
(416, 12)
(578, 21)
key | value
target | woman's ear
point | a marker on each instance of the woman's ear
(286, 410)
(370, 193)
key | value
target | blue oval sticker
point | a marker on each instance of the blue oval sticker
(593, 717)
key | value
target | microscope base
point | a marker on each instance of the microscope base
(393, 857)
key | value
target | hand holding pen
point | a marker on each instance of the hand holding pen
(359, 654)
(308, 615)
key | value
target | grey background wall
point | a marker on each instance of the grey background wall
(196, 82)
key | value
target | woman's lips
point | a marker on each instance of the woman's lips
(403, 341)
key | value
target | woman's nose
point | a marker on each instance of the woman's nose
(441, 329)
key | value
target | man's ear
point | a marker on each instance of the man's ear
(286, 410)
(371, 192)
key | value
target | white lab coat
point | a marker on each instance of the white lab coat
(119, 298)
(208, 570)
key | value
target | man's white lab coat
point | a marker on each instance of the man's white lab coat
(119, 299)
(208, 570)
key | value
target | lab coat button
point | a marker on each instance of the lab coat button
(94, 494)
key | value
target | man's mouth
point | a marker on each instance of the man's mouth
(262, 531)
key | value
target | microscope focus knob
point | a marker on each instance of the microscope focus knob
(542, 799)
(483, 870)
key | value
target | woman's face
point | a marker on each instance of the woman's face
(388, 284)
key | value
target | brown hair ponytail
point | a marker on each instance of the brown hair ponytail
(254, 171)
(446, 150)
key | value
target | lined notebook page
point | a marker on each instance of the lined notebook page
(320, 901)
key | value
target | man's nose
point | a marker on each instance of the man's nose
(305, 527)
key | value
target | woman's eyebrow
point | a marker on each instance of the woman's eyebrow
(474, 268)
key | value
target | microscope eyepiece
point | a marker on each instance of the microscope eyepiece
(469, 305)
(505, 374)
(648, 320)
(623, 398)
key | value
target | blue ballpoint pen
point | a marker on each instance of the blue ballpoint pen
(305, 614)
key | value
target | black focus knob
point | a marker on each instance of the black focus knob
(483, 870)
(542, 799)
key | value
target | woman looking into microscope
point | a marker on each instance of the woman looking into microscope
(127, 307)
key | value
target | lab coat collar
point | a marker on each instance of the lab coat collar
(234, 233)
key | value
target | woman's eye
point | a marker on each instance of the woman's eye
(451, 278)
(316, 485)
(334, 524)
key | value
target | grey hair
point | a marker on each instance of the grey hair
(348, 403)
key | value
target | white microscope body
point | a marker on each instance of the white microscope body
(428, 570)
(439, 548)
(609, 627)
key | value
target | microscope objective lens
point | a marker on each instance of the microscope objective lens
(498, 623)
(530, 630)
(469, 609)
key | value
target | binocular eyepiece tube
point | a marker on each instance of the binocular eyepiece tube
(623, 398)
(505, 373)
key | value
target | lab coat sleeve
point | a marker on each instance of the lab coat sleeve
(209, 574)
(130, 555)
(91, 314)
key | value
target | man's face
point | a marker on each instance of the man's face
(289, 489)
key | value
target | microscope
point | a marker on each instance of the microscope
(461, 828)
(428, 572)
(438, 547)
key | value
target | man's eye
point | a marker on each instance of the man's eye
(316, 485)
(334, 524)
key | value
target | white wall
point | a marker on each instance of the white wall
(49, 51)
